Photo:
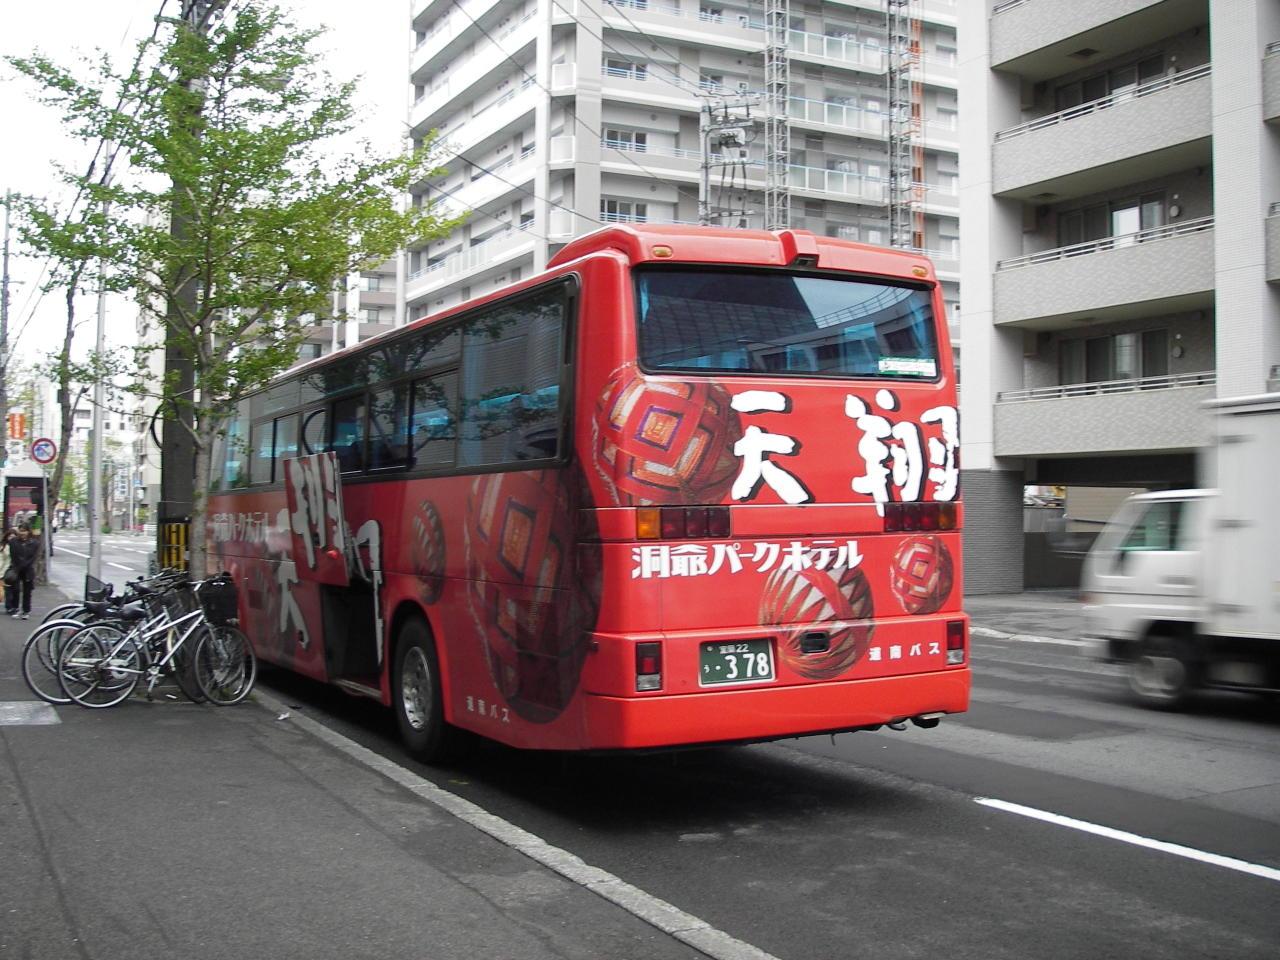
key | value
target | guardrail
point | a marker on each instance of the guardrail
(1093, 106)
(1109, 243)
(1205, 378)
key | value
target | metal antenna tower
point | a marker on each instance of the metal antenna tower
(906, 142)
(777, 132)
(724, 126)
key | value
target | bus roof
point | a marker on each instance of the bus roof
(642, 243)
(645, 243)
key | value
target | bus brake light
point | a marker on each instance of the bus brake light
(919, 516)
(955, 641)
(682, 523)
(648, 666)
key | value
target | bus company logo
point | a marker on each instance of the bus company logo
(662, 561)
(922, 574)
(838, 599)
(662, 442)
(427, 550)
(253, 526)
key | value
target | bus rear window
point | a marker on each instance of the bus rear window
(781, 324)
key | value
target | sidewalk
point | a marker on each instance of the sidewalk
(175, 830)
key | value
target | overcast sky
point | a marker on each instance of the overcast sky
(367, 38)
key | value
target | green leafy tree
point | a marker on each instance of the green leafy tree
(237, 214)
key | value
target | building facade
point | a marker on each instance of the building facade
(1121, 259)
(557, 116)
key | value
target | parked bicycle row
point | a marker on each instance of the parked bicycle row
(96, 652)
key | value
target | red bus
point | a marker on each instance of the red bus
(687, 486)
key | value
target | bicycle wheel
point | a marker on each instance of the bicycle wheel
(67, 611)
(40, 659)
(99, 666)
(225, 665)
(182, 666)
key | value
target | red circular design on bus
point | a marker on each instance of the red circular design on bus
(837, 600)
(662, 442)
(523, 592)
(922, 574)
(427, 550)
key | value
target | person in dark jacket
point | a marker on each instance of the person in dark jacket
(11, 590)
(23, 553)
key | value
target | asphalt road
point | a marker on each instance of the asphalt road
(883, 845)
(124, 556)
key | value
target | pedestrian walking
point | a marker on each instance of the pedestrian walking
(9, 573)
(23, 553)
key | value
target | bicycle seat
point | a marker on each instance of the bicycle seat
(141, 589)
(132, 611)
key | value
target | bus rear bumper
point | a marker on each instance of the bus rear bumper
(769, 713)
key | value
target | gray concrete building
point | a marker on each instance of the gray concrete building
(556, 116)
(1122, 159)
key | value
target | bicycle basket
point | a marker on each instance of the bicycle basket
(95, 590)
(220, 600)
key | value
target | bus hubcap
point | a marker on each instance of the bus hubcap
(415, 689)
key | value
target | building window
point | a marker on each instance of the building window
(371, 315)
(625, 69)
(623, 211)
(711, 14)
(1112, 83)
(1121, 356)
(633, 140)
(711, 81)
(371, 284)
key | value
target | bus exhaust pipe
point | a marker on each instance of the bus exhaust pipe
(927, 721)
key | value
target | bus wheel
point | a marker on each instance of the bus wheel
(1160, 676)
(417, 696)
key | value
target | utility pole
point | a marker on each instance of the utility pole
(4, 334)
(177, 446)
(95, 452)
(723, 125)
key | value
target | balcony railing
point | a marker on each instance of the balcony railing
(650, 149)
(1007, 5)
(477, 255)
(1206, 378)
(1093, 106)
(837, 115)
(1109, 243)
(846, 49)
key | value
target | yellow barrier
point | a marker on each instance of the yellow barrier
(173, 545)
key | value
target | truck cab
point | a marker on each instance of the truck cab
(1144, 591)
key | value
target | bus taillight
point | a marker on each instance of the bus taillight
(682, 523)
(648, 666)
(955, 641)
(919, 516)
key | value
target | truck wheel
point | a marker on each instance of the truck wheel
(1161, 676)
(418, 698)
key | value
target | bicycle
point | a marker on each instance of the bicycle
(100, 665)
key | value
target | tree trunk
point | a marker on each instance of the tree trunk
(197, 539)
(66, 407)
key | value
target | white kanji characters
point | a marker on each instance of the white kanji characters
(895, 651)
(935, 648)
(688, 560)
(795, 557)
(722, 553)
(876, 429)
(848, 556)
(765, 555)
(757, 444)
(651, 560)
(917, 650)
(944, 470)
(873, 654)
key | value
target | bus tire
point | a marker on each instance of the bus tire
(1161, 674)
(417, 698)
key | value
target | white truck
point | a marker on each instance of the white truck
(1183, 586)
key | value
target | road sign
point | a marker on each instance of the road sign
(43, 450)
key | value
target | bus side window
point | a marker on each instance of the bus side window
(260, 440)
(286, 447)
(388, 429)
(510, 408)
(347, 433)
(432, 425)
(235, 467)
(315, 435)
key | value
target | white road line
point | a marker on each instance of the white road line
(118, 566)
(72, 552)
(658, 913)
(1216, 859)
(1024, 637)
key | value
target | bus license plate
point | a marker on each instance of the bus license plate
(744, 661)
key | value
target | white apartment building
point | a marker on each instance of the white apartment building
(558, 116)
(1122, 254)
